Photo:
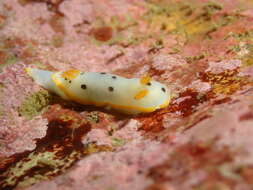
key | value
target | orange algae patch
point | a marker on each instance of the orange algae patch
(189, 19)
(246, 172)
(2, 20)
(141, 94)
(227, 82)
(70, 74)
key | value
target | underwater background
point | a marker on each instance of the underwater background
(201, 49)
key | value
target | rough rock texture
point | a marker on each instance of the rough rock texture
(17, 133)
(200, 49)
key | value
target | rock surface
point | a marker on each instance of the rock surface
(200, 49)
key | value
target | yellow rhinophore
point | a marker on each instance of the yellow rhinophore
(28, 71)
(145, 79)
(70, 74)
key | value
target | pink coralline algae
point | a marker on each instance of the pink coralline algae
(201, 49)
(219, 67)
(248, 71)
(16, 85)
(17, 133)
(238, 118)
(201, 86)
(121, 136)
(248, 13)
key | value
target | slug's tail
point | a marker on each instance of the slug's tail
(41, 77)
(44, 79)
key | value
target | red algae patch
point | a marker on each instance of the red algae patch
(2, 20)
(103, 33)
(56, 22)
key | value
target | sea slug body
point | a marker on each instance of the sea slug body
(129, 96)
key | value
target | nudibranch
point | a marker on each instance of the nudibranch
(130, 96)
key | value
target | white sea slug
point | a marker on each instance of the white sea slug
(130, 96)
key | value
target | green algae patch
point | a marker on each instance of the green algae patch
(244, 47)
(33, 160)
(93, 117)
(118, 142)
(58, 41)
(34, 104)
(1, 111)
(8, 59)
(11, 59)
(248, 59)
(39, 65)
